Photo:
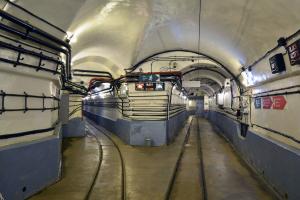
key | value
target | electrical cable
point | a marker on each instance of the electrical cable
(34, 15)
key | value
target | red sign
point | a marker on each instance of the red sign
(279, 102)
(267, 102)
(139, 86)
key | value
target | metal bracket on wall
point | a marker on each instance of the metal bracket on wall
(26, 108)
(22, 51)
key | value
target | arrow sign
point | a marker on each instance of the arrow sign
(279, 102)
(267, 102)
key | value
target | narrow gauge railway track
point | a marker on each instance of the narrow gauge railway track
(202, 169)
(98, 166)
(98, 169)
(179, 162)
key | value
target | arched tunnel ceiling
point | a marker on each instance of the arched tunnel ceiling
(235, 32)
(207, 84)
(208, 75)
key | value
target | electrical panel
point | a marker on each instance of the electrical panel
(277, 63)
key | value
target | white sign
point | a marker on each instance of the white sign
(191, 84)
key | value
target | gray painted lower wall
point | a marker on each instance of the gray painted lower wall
(155, 131)
(27, 168)
(136, 132)
(174, 124)
(74, 128)
(277, 163)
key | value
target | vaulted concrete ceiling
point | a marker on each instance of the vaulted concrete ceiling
(122, 32)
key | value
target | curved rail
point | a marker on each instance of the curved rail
(98, 166)
(123, 172)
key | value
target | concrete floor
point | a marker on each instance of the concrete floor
(227, 177)
(187, 183)
(108, 183)
(149, 170)
(80, 158)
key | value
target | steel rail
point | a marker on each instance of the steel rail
(124, 194)
(202, 170)
(100, 158)
(178, 161)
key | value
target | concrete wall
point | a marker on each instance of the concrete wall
(27, 168)
(174, 124)
(200, 107)
(136, 132)
(74, 128)
(20, 79)
(276, 162)
(28, 163)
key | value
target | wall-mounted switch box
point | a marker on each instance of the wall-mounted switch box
(277, 63)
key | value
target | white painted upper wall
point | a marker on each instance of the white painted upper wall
(119, 33)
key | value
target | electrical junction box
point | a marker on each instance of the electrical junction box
(277, 63)
(227, 83)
